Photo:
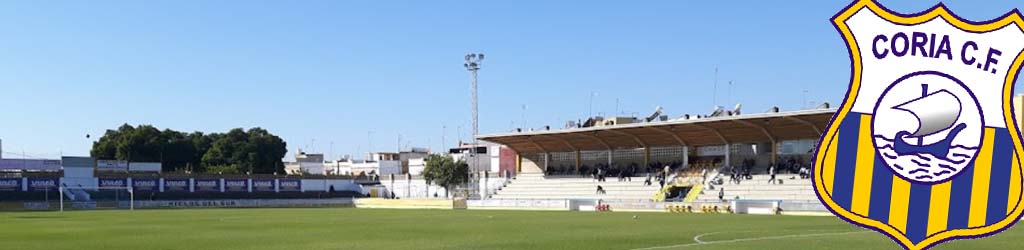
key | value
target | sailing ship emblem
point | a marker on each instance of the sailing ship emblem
(932, 132)
(924, 148)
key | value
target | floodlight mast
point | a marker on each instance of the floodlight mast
(472, 64)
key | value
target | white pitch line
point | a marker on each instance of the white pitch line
(697, 238)
(700, 242)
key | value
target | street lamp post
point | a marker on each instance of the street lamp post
(472, 64)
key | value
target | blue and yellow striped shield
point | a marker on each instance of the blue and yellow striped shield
(925, 147)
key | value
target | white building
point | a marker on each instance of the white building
(486, 158)
(308, 164)
(378, 163)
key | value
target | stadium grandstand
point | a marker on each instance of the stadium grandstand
(712, 159)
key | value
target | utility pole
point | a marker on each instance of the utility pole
(472, 64)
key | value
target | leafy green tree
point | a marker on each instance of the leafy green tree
(223, 169)
(445, 171)
(255, 150)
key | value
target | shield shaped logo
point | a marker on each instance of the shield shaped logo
(924, 148)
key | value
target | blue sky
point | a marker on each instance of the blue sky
(361, 73)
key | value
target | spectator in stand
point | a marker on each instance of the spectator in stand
(648, 181)
(631, 172)
(804, 173)
(667, 170)
(704, 174)
(771, 173)
(600, 190)
(600, 174)
(721, 194)
(734, 176)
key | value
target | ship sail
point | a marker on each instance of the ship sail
(936, 112)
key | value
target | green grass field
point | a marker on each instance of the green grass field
(350, 228)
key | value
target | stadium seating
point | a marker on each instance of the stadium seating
(792, 188)
(538, 186)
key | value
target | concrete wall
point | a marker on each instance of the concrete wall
(535, 165)
(405, 187)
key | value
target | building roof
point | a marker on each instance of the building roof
(763, 127)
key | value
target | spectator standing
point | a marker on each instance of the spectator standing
(771, 173)
(629, 174)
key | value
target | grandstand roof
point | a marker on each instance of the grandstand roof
(763, 127)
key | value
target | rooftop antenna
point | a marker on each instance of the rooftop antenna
(714, 94)
(617, 106)
(590, 112)
(803, 104)
(524, 115)
(369, 142)
(729, 92)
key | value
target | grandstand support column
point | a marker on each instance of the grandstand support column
(686, 156)
(579, 160)
(774, 153)
(519, 163)
(728, 153)
(547, 161)
(609, 157)
(647, 156)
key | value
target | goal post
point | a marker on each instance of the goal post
(79, 198)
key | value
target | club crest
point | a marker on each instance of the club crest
(924, 148)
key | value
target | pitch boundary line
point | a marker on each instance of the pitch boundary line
(698, 241)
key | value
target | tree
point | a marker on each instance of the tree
(238, 151)
(255, 150)
(445, 171)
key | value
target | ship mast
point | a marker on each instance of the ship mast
(924, 92)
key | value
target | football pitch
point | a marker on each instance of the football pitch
(350, 228)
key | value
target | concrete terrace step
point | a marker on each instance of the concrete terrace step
(586, 196)
(538, 186)
(765, 188)
(576, 192)
(625, 186)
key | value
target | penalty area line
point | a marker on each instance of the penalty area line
(698, 241)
